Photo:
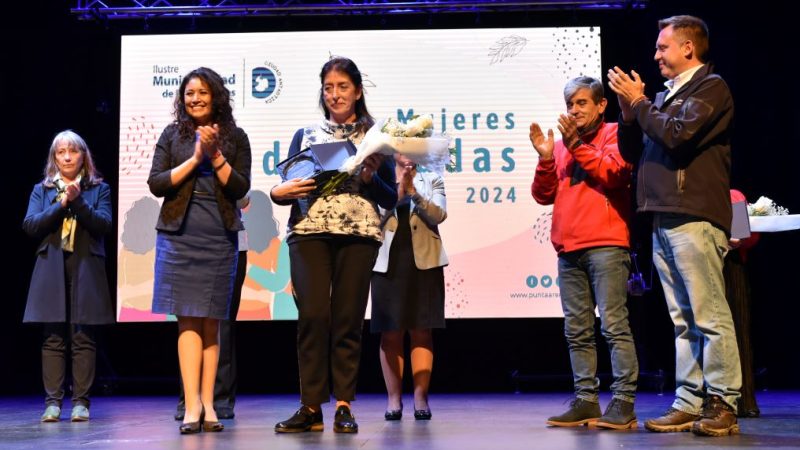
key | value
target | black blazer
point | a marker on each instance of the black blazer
(683, 149)
(171, 150)
(90, 300)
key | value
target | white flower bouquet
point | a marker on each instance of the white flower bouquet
(766, 216)
(414, 139)
(764, 206)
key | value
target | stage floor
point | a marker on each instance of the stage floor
(462, 421)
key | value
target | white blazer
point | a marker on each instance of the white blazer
(428, 209)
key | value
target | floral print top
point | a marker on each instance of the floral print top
(350, 210)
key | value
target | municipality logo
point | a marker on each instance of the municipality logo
(267, 82)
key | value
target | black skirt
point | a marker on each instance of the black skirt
(406, 298)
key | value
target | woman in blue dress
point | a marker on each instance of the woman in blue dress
(201, 166)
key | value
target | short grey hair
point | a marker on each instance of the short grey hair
(594, 85)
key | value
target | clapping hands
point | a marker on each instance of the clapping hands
(71, 192)
(206, 142)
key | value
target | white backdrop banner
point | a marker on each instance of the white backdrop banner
(483, 87)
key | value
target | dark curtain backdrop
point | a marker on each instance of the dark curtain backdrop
(61, 73)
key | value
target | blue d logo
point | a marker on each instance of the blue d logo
(264, 82)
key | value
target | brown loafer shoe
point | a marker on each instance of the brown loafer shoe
(673, 420)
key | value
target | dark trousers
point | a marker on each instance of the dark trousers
(737, 291)
(225, 382)
(331, 279)
(83, 349)
(54, 362)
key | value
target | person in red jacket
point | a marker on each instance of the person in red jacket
(588, 183)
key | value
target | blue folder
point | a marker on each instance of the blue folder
(320, 161)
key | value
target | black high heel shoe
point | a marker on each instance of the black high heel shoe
(422, 414)
(213, 427)
(394, 414)
(193, 427)
(210, 426)
(190, 428)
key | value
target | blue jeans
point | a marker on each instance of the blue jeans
(598, 276)
(689, 253)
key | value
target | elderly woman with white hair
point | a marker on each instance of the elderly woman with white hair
(69, 213)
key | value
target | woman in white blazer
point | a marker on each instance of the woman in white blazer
(408, 284)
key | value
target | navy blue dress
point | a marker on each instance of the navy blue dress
(196, 266)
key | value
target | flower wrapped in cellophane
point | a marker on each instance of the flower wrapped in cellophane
(414, 139)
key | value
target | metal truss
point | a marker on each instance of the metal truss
(166, 9)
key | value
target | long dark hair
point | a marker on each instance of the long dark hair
(346, 66)
(221, 109)
(89, 174)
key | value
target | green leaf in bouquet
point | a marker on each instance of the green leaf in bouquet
(330, 186)
(451, 166)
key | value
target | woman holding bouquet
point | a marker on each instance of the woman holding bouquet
(333, 242)
(408, 284)
(201, 166)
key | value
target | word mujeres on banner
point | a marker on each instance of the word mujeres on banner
(483, 159)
